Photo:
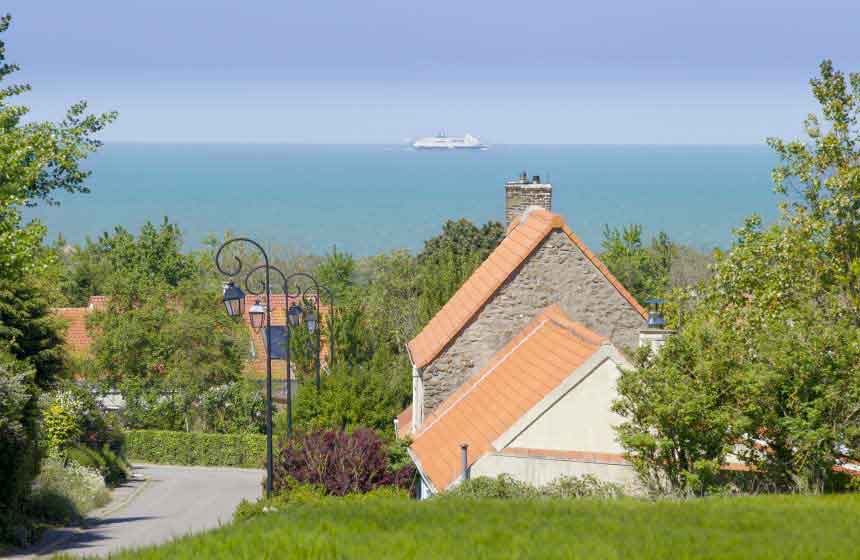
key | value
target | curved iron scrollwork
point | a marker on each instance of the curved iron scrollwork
(224, 269)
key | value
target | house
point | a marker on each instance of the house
(79, 340)
(520, 365)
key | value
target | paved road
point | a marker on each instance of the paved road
(169, 502)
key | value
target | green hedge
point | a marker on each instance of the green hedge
(196, 448)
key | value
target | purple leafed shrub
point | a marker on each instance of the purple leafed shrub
(339, 462)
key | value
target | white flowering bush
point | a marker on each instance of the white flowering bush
(65, 492)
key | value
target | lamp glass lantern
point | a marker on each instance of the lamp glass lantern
(655, 313)
(234, 300)
(294, 315)
(257, 314)
(311, 321)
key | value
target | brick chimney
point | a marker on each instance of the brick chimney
(522, 193)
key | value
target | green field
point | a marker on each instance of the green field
(383, 528)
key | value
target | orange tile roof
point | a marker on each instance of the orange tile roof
(404, 422)
(523, 237)
(77, 338)
(516, 378)
(576, 456)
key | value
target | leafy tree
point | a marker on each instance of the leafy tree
(463, 239)
(644, 271)
(337, 273)
(36, 159)
(448, 260)
(822, 178)
(767, 364)
(351, 396)
(19, 454)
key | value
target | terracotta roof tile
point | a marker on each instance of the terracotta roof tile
(515, 379)
(404, 422)
(77, 338)
(522, 239)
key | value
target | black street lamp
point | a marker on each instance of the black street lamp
(234, 301)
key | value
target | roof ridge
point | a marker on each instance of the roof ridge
(517, 246)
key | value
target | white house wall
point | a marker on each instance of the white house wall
(540, 471)
(581, 420)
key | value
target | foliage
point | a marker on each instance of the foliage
(120, 261)
(297, 494)
(236, 407)
(337, 273)
(738, 528)
(30, 331)
(60, 426)
(448, 260)
(113, 468)
(643, 270)
(65, 492)
(19, 454)
(71, 415)
(463, 239)
(822, 179)
(339, 462)
(767, 363)
(163, 339)
(506, 487)
(36, 159)
(367, 395)
(196, 448)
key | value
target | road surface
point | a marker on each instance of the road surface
(167, 502)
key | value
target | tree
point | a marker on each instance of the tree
(448, 260)
(822, 179)
(767, 364)
(36, 159)
(19, 454)
(644, 271)
(163, 339)
(353, 396)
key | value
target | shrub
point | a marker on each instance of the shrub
(18, 451)
(64, 493)
(71, 416)
(341, 463)
(299, 493)
(566, 487)
(503, 486)
(587, 486)
(234, 407)
(112, 467)
(196, 448)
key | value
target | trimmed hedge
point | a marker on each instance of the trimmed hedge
(196, 448)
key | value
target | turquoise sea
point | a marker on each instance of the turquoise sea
(367, 199)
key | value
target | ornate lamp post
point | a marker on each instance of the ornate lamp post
(259, 314)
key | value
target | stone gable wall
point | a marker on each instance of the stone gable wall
(556, 272)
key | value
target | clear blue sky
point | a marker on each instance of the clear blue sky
(364, 71)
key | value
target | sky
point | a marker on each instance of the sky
(384, 72)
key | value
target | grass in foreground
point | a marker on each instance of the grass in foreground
(747, 527)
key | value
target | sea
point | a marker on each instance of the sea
(372, 198)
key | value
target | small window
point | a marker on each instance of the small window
(278, 342)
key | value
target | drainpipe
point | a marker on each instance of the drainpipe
(464, 454)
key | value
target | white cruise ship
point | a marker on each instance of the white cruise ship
(443, 142)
